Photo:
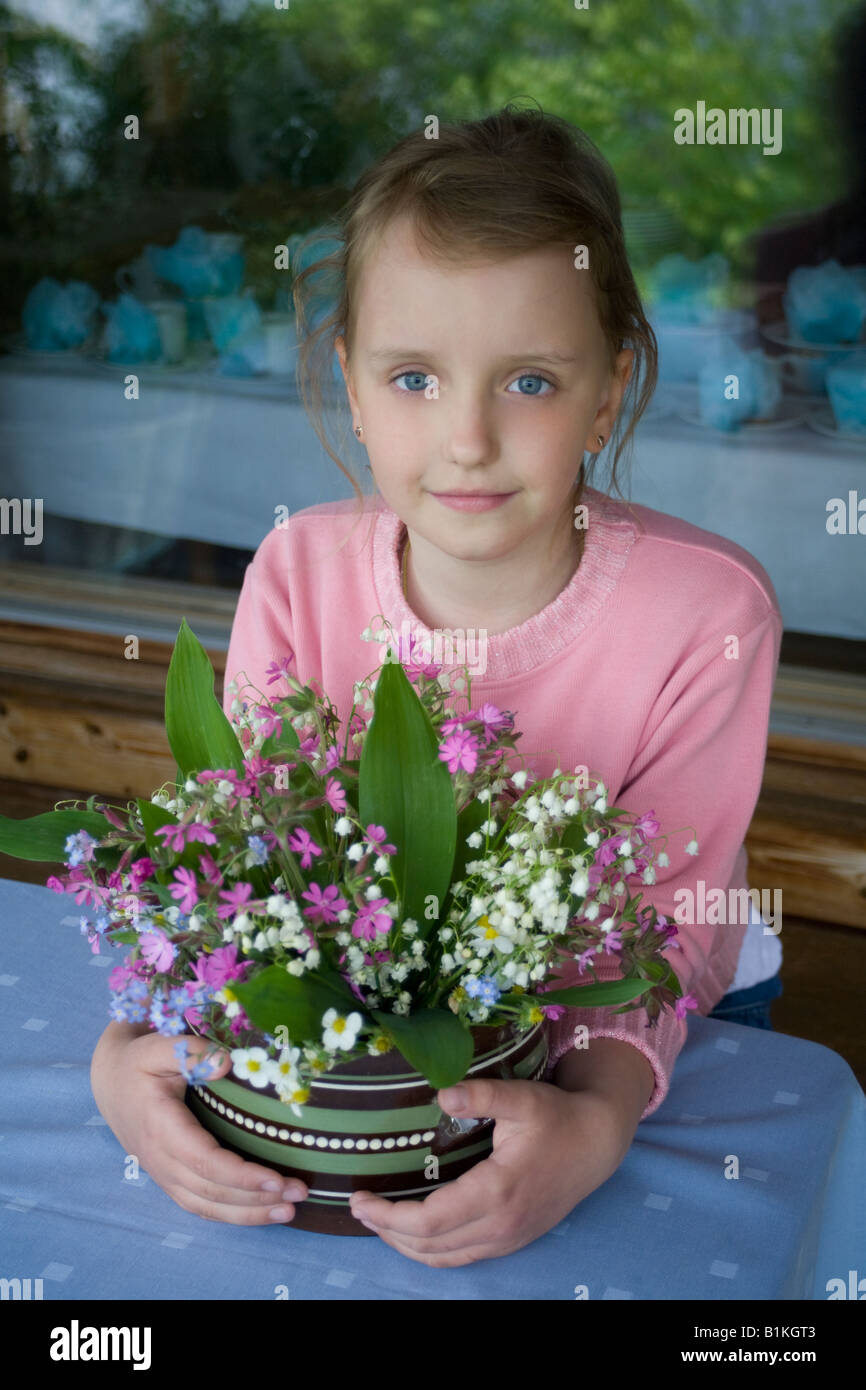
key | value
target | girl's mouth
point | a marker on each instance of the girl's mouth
(472, 502)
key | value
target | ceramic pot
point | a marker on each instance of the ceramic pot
(370, 1123)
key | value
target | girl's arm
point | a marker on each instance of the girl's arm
(700, 765)
(614, 1069)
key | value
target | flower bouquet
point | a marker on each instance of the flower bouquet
(360, 922)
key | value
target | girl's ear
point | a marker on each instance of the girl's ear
(340, 346)
(627, 359)
(620, 376)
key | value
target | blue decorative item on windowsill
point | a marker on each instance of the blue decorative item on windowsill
(200, 263)
(132, 331)
(846, 387)
(230, 317)
(825, 303)
(56, 317)
(688, 313)
(736, 385)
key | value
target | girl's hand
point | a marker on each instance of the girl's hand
(551, 1148)
(139, 1089)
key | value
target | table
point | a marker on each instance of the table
(209, 457)
(667, 1225)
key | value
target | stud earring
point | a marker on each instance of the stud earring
(358, 430)
(600, 438)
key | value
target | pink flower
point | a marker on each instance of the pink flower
(648, 825)
(112, 817)
(278, 669)
(156, 949)
(239, 1023)
(308, 746)
(326, 903)
(257, 767)
(332, 757)
(210, 870)
(376, 836)
(688, 1001)
(139, 870)
(234, 899)
(184, 889)
(219, 967)
(460, 750)
(228, 774)
(87, 893)
(584, 958)
(606, 852)
(494, 720)
(413, 654)
(120, 976)
(303, 842)
(370, 921)
(335, 794)
(663, 925)
(553, 1011)
(271, 721)
(177, 836)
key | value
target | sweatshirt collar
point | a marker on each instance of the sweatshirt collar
(611, 532)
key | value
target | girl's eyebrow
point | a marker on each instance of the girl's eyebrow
(554, 358)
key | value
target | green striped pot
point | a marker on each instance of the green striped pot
(370, 1123)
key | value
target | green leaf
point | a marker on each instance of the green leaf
(152, 818)
(405, 787)
(161, 889)
(44, 836)
(594, 996)
(667, 977)
(573, 836)
(199, 733)
(434, 1041)
(273, 998)
(286, 741)
(127, 936)
(468, 821)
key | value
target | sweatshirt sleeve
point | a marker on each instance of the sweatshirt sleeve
(699, 770)
(262, 629)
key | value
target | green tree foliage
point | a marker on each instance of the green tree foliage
(297, 101)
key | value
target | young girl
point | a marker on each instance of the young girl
(490, 334)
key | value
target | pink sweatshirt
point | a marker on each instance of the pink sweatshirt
(654, 667)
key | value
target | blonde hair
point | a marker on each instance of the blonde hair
(512, 182)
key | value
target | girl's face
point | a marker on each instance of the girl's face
(491, 378)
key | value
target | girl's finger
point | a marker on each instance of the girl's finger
(218, 1194)
(156, 1055)
(270, 1215)
(195, 1149)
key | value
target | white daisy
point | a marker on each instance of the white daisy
(340, 1030)
(251, 1064)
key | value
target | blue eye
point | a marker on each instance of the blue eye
(533, 376)
(420, 379)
